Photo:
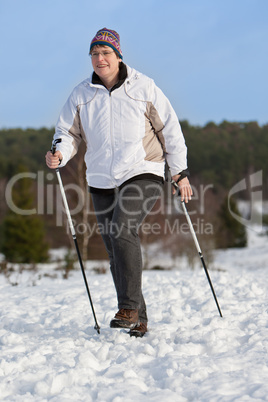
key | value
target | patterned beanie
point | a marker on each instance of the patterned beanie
(109, 38)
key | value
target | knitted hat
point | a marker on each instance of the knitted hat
(109, 38)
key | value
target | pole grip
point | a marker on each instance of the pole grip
(54, 145)
(53, 148)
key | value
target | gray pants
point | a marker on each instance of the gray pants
(119, 216)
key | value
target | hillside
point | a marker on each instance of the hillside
(219, 157)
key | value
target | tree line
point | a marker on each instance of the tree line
(219, 156)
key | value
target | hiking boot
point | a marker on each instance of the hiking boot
(125, 318)
(139, 330)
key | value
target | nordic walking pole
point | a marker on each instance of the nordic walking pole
(53, 150)
(198, 248)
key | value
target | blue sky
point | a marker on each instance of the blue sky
(210, 57)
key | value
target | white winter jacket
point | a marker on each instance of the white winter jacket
(128, 131)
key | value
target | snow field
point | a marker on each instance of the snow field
(49, 350)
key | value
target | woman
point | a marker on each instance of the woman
(130, 130)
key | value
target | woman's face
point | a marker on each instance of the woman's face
(105, 62)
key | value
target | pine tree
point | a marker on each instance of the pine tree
(24, 235)
(232, 233)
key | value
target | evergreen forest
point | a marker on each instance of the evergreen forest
(219, 157)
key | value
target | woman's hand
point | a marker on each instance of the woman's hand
(184, 187)
(53, 161)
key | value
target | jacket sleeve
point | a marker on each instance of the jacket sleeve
(167, 127)
(68, 129)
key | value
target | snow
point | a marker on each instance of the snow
(49, 350)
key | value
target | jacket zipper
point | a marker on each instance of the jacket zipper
(112, 137)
